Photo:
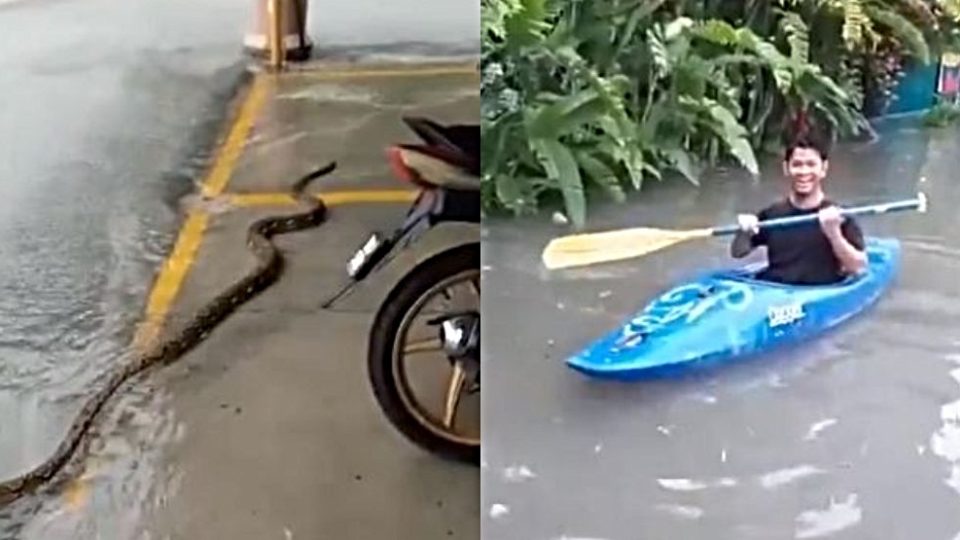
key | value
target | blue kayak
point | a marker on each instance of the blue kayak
(728, 313)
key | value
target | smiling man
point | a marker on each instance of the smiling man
(804, 254)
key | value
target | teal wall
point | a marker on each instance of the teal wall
(917, 89)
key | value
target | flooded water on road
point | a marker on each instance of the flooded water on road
(102, 103)
(852, 435)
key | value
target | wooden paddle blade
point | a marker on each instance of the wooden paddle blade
(593, 248)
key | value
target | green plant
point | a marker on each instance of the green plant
(551, 122)
(597, 97)
(944, 113)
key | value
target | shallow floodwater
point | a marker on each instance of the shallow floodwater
(101, 102)
(852, 435)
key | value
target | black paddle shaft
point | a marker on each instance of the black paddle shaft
(919, 203)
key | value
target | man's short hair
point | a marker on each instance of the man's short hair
(806, 141)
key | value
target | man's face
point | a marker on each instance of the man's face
(805, 169)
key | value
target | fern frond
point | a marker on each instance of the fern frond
(850, 78)
(855, 20)
(797, 34)
(658, 50)
(494, 13)
(525, 21)
(904, 31)
(951, 7)
(718, 31)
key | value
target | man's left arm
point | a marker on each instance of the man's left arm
(846, 239)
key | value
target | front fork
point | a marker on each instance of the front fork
(376, 250)
(459, 333)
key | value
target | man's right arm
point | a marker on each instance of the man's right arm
(744, 242)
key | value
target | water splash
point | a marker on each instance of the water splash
(837, 517)
(945, 442)
(518, 473)
(687, 484)
(681, 484)
(498, 511)
(817, 427)
(783, 477)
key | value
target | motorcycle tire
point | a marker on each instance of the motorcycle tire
(383, 336)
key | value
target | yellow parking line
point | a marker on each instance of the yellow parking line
(334, 198)
(178, 264)
(171, 278)
(175, 269)
(77, 492)
(232, 148)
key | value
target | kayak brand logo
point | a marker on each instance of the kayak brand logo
(687, 303)
(781, 315)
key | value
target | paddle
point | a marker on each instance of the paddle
(593, 248)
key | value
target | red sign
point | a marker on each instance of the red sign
(948, 83)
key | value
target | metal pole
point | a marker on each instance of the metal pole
(277, 52)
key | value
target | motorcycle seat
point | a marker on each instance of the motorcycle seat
(460, 142)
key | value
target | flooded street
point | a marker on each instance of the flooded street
(852, 435)
(104, 103)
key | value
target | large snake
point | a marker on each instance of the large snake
(267, 270)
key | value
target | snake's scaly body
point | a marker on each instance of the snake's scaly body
(267, 270)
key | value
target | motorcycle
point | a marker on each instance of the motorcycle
(443, 291)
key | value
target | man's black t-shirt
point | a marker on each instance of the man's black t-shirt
(801, 254)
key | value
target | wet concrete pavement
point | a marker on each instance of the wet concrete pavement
(280, 428)
(278, 399)
(854, 435)
(270, 428)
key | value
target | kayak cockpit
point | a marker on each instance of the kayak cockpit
(879, 254)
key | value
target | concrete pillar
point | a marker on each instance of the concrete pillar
(297, 44)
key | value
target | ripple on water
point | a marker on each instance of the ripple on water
(115, 485)
(682, 511)
(61, 337)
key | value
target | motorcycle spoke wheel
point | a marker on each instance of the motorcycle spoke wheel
(457, 293)
(440, 414)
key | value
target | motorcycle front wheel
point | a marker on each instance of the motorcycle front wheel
(431, 397)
